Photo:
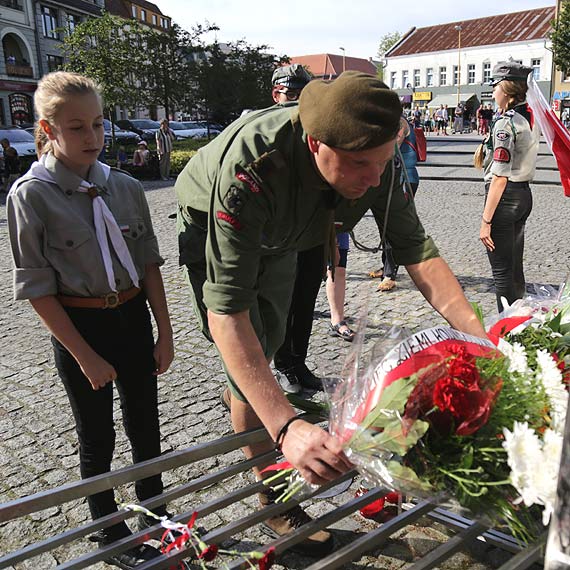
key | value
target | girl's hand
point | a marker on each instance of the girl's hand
(163, 354)
(485, 236)
(98, 371)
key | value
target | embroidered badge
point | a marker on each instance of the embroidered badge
(234, 200)
(247, 179)
(501, 154)
(232, 220)
(125, 229)
(502, 135)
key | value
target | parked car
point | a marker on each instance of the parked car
(202, 126)
(122, 137)
(145, 128)
(183, 132)
(22, 141)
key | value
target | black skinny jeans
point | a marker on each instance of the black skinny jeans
(507, 232)
(293, 351)
(123, 337)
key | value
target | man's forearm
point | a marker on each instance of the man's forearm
(243, 356)
(439, 286)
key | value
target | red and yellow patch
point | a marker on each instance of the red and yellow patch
(251, 183)
(501, 154)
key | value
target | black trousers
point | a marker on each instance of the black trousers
(123, 337)
(507, 233)
(293, 351)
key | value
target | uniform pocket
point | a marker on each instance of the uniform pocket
(132, 228)
(68, 239)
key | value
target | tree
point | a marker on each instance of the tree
(386, 42)
(560, 37)
(107, 50)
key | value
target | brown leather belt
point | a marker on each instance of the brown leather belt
(109, 301)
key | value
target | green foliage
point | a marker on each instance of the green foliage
(560, 37)
(105, 49)
(387, 41)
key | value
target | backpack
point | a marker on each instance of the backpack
(421, 144)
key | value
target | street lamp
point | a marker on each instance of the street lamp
(458, 28)
(343, 58)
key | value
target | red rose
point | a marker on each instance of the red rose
(209, 553)
(420, 401)
(464, 370)
(268, 559)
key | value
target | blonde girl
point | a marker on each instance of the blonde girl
(86, 257)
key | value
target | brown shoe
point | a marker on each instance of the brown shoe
(378, 274)
(318, 544)
(387, 284)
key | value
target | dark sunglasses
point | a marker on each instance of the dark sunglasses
(291, 95)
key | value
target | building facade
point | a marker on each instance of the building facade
(31, 32)
(449, 63)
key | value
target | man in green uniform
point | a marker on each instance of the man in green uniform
(271, 185)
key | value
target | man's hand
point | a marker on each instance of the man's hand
(163, 354)
(98, 371)
(317, 455)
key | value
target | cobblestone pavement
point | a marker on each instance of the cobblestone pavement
(38, 447)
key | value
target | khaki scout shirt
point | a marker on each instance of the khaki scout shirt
(513, 146)
(53, 238)
(263, 196)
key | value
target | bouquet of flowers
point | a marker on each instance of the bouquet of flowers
(461, 419)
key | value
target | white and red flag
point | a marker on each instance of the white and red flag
(556, 135)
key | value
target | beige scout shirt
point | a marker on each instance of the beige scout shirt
(53, 238)
(514, 146)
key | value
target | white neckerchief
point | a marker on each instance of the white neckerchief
(105, 223)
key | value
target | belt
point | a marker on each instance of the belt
(109, 301)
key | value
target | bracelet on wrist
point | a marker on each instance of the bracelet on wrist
(283, 432)
(488, 222)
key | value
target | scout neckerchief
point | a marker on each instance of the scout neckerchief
(105, 223)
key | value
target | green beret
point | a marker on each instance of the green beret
(354, 112)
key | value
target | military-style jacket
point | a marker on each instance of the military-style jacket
(257, 191)
(512, 146)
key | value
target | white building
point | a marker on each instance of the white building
(452, 62)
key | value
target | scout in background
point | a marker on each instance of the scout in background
(90, 288)
(11, 168)
(122, 158)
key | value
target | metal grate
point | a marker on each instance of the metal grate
(467, 530)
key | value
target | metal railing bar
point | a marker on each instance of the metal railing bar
(219, 535)
(285, 542)
(142, 470)
(371, 539)
(449, 548)
(103, 522)
(492, 536)
(527, 557)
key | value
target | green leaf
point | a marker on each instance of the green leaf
(395, 440)
(406, 478)
(554, 324)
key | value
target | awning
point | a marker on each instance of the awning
(450, 100)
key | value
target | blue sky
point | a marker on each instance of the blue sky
(301, 27)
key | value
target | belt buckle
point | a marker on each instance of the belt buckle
(111, 300)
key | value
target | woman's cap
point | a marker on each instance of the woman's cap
(354, 112)
(142, 143)
(509, 70)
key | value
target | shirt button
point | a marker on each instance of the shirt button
(69, 192)
(69, 243)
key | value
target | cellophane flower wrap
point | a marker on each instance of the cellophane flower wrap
(460, 419)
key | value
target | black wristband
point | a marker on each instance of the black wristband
(283, 432)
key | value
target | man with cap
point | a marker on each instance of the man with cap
(273, 183)
(292, 372)
(509, 163)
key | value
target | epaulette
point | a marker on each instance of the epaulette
(268, 163)
(115, 169)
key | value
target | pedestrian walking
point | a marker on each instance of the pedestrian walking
(87, 259)
(164, 139)
(11, 169)
(509, 164)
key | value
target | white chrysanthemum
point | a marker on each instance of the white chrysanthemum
(517, 357)
(534, 465)
(550, 376)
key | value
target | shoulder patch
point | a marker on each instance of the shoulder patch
(502, 135)
(234, 200)
(232, 220)
(251, 183)
(502, 154)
